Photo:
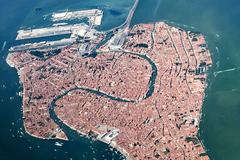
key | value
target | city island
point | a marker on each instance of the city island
(138, 89)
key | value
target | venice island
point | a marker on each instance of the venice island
(138, 89)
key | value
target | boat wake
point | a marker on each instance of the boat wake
(3, 46)
(224, 71)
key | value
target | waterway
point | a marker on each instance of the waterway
(74, 135)
(71, 134)
(218, 20)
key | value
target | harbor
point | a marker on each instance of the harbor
(81, 33)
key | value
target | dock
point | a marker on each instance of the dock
(85, 35)
(50, 31)
(43, 45)
(94, 16)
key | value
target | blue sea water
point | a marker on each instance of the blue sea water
(218, 20)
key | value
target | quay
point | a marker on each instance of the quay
(50, 31)
(94, 16)
(43, 45)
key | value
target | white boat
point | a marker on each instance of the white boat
(58, 144)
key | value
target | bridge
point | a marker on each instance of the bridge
(127, 22)
(121, 32)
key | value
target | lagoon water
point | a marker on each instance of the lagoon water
(218, 20)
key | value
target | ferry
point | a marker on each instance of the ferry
(58, 144)
(59, 24)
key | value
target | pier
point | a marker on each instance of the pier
(94, 16)
(50, 31)
(43, 45)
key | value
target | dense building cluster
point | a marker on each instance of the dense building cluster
(145, 99)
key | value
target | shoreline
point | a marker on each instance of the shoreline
(9, 62)
(85, 135)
